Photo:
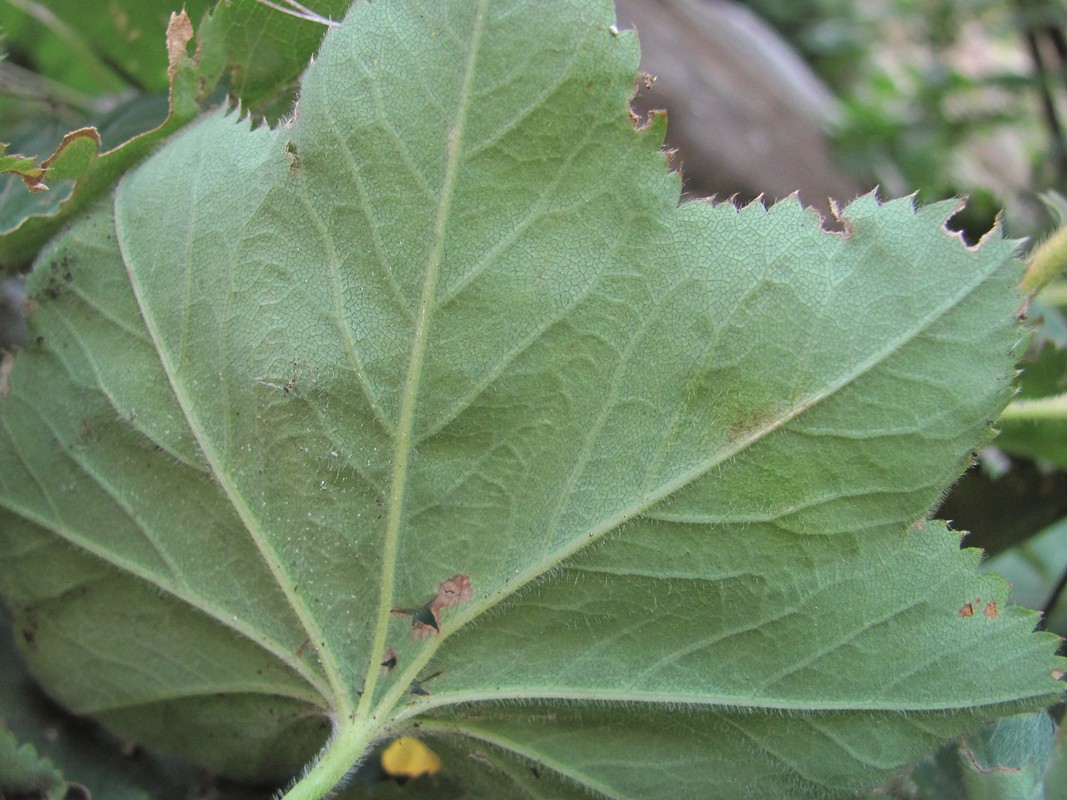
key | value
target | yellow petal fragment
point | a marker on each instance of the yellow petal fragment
(408, 757)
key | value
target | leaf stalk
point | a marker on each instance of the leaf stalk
(1046, 262)
(1044, 408)
(341, 755)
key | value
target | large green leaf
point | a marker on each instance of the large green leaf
(294, 388)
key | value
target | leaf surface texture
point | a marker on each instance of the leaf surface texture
(450, 322)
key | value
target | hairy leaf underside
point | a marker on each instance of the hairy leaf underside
(433, 411)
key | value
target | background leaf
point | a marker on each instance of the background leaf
(256, 51)
(1039, 429)
(84, 753)
(23, 774)
(1033, 569)
(266, 50)
(449, 322)
(107, 47)
(1009, 759)
(82, 173)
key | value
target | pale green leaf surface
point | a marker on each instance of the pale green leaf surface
(1008, 760)
(449, 320)
(1056, 777)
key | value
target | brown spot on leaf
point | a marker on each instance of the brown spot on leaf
(426, 620)
(990, 609)
(420, 629)
(86, 434)
(453, 592)
(967, 610)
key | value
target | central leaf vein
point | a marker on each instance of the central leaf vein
(210, 450)
(405, 427)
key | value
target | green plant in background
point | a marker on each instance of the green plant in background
(943, 97)
(428, 411)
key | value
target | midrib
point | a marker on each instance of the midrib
(214, 459)
(412, 381)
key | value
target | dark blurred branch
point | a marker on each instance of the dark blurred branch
(1037, 30)
(1053, 599)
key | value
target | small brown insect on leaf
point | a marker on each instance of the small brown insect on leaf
(293, 156)
(389, 662)
(417, 686)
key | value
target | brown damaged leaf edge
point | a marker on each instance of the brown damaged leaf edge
(95, 173)
(34, 177)
(31, 175)
(179, 32)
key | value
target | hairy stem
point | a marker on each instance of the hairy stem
(342, 754)
(1044, 408)
(1046, 262)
